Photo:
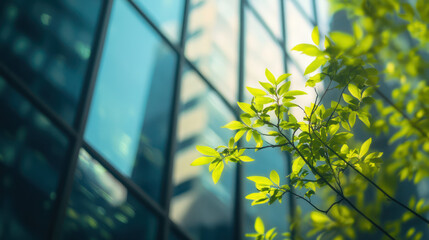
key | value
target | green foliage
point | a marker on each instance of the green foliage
(328, 159)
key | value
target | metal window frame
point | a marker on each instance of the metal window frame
(75, 133)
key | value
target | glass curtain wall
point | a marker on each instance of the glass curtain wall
(103, 103)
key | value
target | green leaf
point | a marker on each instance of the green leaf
(246, 108)
(249, 135)
(256, 196)
(297, 165)
(284, 88)
(342, 40)
(233, 125)
(289, 104)
(354, 91)
(315, 35)
(270, 76)
(282, 78)
(267, 87)
(239, 134)
(260, 180)
(295, 93)
(263, 100)
(259, 226)
(308, 49)
(347, 98)
(352, 118)
(364, 119)
(364, 148)
(313, 66)
(246, 159)
(319, 218)
(245, 118)
(202, 161)
(258, 139)
(217, 172)
(208, 151)
(274, 176)
(256, 92)
(270, 233)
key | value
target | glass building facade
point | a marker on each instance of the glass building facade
(103, 102)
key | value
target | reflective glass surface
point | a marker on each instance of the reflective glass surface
(324, 17)
(100, 207)
(298, 30)
(47, 44)
(306, 6)
(212, 42)
(32, 153)
(204, 209)
(275, 215)
(269, 10)
(167, 14)
(261, 52)
(130, 113)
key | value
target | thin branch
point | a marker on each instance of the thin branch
(373, 183)
(415, 126)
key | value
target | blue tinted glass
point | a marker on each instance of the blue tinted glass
(47, 44)
(204, 209)
(32, 153)
(274, 215)
(297, 34)
(306, 6)
(212, 42)
(261, 52)
(130, 113)
(167, 14)
(100, 207)
(269, 10)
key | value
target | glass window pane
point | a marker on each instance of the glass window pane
(269, 10)
(297, 34)
(167, 14)
(324, 17)
(32, 153)
(274, 215)
(212, 42)
(204, 209)
(130, 113)
(48, 44)
(261, 52)
(306, 6)
(100, 207)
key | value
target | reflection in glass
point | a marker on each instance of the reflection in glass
(130, 112)
(47, 44)
(324, 17)
(212, 42)
(261, 52)
(100, 207)
(167, 14)
(32, 153)
(298, 30)
(306, 6)
(270, 13)
(275, 215)
(204, 209)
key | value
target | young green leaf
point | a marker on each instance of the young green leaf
(202, 161)
(246, 159)
(274, 176)
(295, 93)
(315, 35)
(308, 49)
(260, 180)
(352, 118)
(208, 151)
(233, 125)
(259, 226)
(364, 148)
(246, 108)
(239, 134)
(354, 91)
(282, 78)
(217, 172)
(284, 88)
(313, 66)
(342, 40)
(270, 76)
(256, 92)
(297, 165)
